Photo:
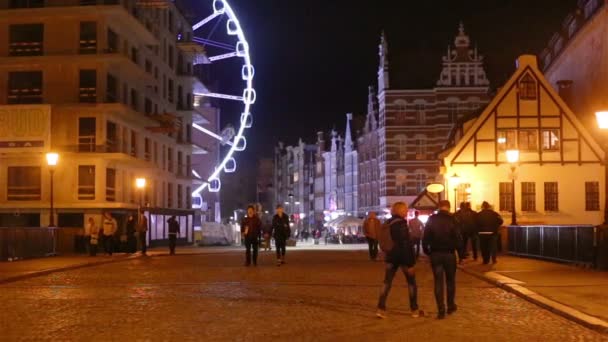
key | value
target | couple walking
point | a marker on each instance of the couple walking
(251, 230)
(372, 224)
(440, 241)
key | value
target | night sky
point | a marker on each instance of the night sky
(315, 59)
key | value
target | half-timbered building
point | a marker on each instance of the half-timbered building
(560, 167)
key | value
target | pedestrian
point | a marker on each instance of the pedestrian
(416, 226)
(441, 241)
(488, 222)
(267, 236)
(141, 231)
(109, 229)
(370, 229)
(467, 224)
(395, 243)
(130, 230)
(281, 232)
(173, 233)
(251, 227)
(93, 231)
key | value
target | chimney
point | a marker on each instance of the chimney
(564, 88)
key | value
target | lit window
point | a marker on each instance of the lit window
(527, 88)
(506, 139)
(550, 140)
(528, 140)
(528, 196)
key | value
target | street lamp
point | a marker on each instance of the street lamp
(140, 184)
(602, 123)
(513, 158)
(51, 160)
(455, 180)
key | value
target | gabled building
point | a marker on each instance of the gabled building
(413, 125)
(559, 172)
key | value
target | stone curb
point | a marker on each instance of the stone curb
(515, 287)
(66, 268)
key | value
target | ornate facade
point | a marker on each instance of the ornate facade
(413, 125)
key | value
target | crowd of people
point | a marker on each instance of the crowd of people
(444, 239)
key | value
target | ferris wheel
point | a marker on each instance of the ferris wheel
(221, 35)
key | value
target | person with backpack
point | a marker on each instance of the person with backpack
(441, 240)
(467, 223)
(370, 229)
(416, 226)
(394, 240)
(488, 222)
(281, 231)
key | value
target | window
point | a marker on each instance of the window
(170, 97)
(26, 40)
(147, 152)
(551, 198)
(180, 196)
(88, 86)
(401, 143)
(147, 106)
(170, 159)
(112, 42)
(169, 195)
(506, 139)
(155, 153)
(421, 179)
(133, 151)
(164, 157)
(420, 147)
(453, 112)
(111, 137)
(111, 89)
(171, 53)
(551, 140)
(463, 193)
(420, 114)
(86, 182)
(506, 196)
(24, 183)
(188, 166)
(528, 196)
(24, 87)
(134, 55)
(401, 182)
(528, 140)
(26, 3)
(527, 88)
(189, 198)
(87, 134)
(148, 65)
(134, 100)
(592, 196)
(180, 166)
(110, 185)
(88, 37)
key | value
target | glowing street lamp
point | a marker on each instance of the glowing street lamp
(513, 159)
(455, 180)
(51, 160)
(602, 123)
(140, 184)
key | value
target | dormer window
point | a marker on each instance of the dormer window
(527, 88)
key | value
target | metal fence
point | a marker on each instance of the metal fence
(21, 243)
(574, 244)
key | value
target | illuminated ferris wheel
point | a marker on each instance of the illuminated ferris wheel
(224, 41)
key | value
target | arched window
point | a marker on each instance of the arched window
(527, 88)
(420, 113)
(401, 114)
(401, 182)
(420, 146)
(421, 180)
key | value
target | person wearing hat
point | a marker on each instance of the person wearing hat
(281, 232)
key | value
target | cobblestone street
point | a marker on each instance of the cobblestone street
(319, 295)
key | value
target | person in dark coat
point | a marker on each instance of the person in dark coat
(488, 222)
(130, 230)
(173, 233)
(467, 223)
(401, 256)
(251, 230)
(281, 232)
(441, 240)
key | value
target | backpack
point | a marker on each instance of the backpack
(385, 240)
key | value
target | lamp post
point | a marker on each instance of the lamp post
(140, 184)
(51, 161)
(513, 158)
(602, 123)
(455, 180)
